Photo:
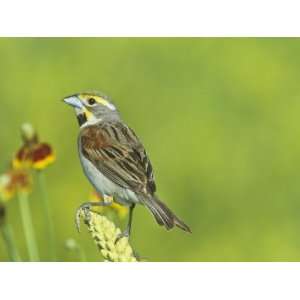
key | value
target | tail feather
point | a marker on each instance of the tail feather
(163, 215)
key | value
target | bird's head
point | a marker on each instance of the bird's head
(92, 107)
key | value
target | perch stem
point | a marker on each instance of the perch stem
(28, 227)
(47, 214)
(10, 243)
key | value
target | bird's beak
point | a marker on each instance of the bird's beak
(74, 101)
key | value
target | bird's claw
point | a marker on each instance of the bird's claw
(84, 210)
(125, 233)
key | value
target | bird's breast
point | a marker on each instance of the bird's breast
(104, 186)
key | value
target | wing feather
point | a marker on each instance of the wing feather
(118, 154)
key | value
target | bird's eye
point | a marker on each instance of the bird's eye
(91, 101)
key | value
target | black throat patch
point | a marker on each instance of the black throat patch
(81, 118)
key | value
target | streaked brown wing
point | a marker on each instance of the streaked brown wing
(118, 154)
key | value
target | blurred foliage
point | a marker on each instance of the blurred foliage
(220, 121)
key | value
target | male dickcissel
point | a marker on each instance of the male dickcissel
(115, 161)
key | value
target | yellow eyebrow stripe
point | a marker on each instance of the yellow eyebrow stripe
(99, 99)
(105, 103)
(102, 101)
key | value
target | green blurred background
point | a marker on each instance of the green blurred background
(220, 121)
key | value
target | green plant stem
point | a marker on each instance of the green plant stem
(28, 227)
(9, 240)
(81, 254)
(47, 213)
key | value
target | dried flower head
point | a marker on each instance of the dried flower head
(120, 210)
(105, 233)
(32, 154)
(14, 181)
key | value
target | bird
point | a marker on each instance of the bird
(115, 161)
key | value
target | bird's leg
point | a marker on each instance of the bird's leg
(86, 207)
(126, 232)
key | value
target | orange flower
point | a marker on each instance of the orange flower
(37, 156)
(32, 154)
(120, 210)
(14, 181)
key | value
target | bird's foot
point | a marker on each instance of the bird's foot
(123, 234)
(126, 233)
(84, 209)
